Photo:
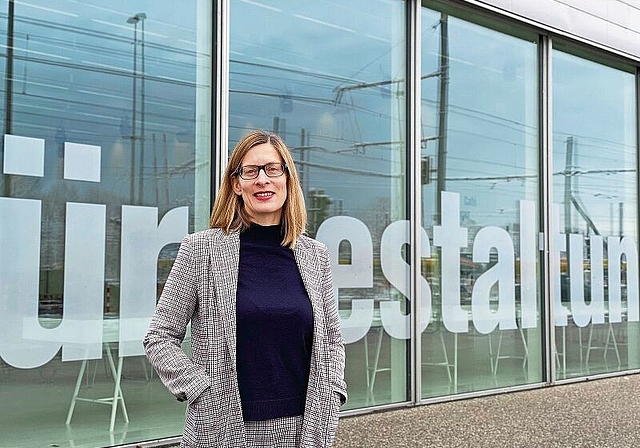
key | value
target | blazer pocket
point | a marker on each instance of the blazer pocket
(199, 412)
(201, 409)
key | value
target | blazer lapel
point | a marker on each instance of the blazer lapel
(225, 257)
(309, 268)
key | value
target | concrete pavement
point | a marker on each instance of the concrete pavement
(597, 413)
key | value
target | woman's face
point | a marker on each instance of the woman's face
(263, 196)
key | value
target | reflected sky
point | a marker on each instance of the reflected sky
(491, 136)
(329, 77)
(73, 81)
(594, 141)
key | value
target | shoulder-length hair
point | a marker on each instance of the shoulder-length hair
(229, 212)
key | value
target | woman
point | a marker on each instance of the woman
(268, 358)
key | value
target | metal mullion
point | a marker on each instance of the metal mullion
(637, 97)
(220, 145)
(415, 191)
(546, 208)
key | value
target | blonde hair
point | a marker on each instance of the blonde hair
(228, 211)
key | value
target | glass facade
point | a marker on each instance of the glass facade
(106, 167)
(594, 217)
(480, 183)
(107, 159)
(336, 93)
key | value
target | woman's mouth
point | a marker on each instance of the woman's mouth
(264, 195)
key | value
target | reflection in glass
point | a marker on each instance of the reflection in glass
(480, 201)
(107, 160)
(595, 218)
(329, 77)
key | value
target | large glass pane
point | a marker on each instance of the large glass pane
(329, 77)
(480, 207)
(105, 168)
(595, 228)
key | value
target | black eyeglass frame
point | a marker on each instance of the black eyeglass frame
(238, 172)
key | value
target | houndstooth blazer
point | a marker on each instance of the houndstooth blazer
(201, 289)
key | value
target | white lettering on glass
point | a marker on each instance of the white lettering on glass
(19, 276)
(25, 343)
(451, 238)
(396, 270)
(596, 264)
(560, 312)
(502, 273)
(528, 265)
(142, 240)
(356, 274)
(617, 248)
(581, 312)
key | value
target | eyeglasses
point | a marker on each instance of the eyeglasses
(249, 172)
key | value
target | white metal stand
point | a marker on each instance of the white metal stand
(112, 400)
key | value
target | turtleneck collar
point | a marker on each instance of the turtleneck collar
(263, 234)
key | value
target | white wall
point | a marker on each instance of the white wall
(610, 23)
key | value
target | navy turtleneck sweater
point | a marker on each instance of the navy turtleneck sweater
(274, 327)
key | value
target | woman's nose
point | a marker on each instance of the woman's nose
(262, 177)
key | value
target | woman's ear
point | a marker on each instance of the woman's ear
(235, 183)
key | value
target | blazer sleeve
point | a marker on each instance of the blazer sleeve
(332, 328)
(178, 303)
